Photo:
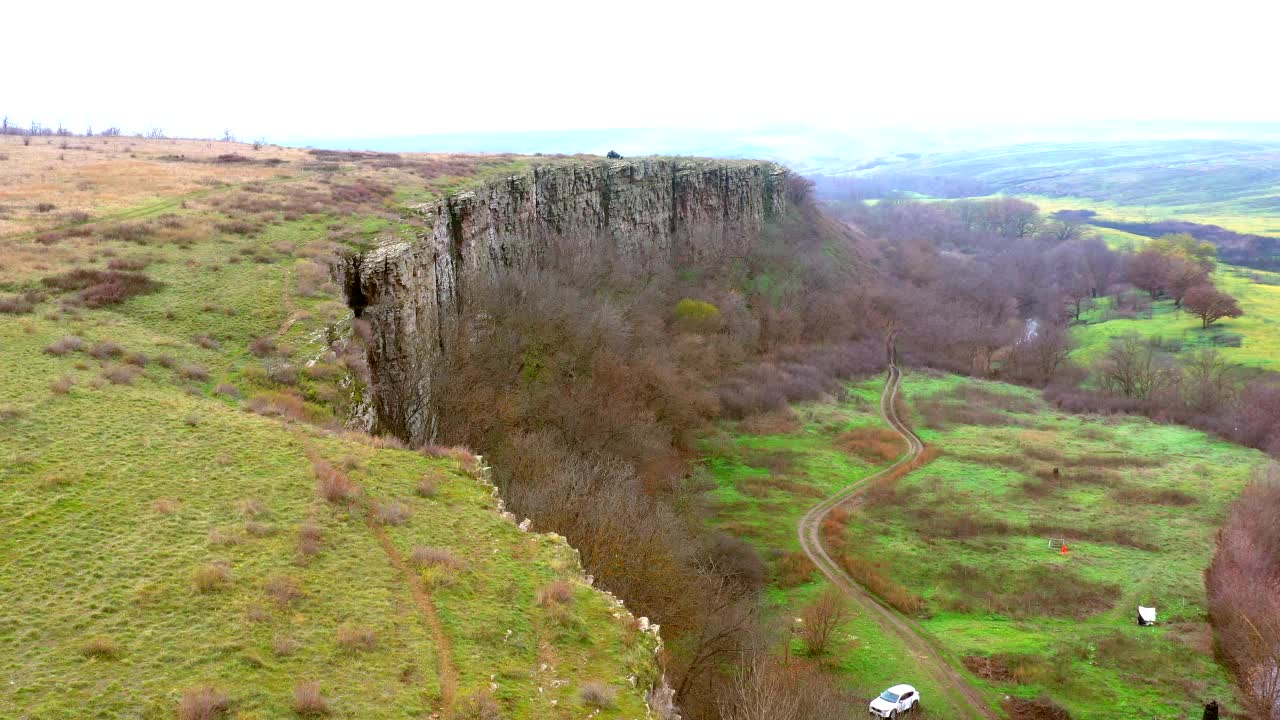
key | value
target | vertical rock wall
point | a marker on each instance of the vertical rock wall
(647, 212)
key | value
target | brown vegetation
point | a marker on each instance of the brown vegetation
(203, 703)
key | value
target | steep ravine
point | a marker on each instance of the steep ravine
(644, 212)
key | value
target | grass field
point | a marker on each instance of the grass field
(967, 534)
(1252, 340)
(163, 475)
(768, 473)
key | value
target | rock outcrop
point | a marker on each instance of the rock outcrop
(645, 212)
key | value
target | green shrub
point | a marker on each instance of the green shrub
(697, 316)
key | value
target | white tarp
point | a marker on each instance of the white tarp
(1147, 615)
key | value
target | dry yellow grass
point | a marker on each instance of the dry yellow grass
(101, 175)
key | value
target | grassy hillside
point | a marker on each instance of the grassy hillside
(966, 538)
(185, 521)
(1252, 340)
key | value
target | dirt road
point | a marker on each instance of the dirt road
(962, 694)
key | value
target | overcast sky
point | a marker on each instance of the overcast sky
(375, 69)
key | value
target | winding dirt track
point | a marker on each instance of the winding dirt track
(963, 694)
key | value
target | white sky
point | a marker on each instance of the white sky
(368, 69)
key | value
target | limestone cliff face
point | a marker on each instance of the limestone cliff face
(646, 212)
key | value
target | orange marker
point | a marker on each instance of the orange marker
(1064, 548)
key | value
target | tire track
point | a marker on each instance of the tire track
(954, 684)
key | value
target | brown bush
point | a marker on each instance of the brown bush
(477, 706)
(99, 288)
(206, 341)
(308, 701)
(282, 589)
(332, 485)
(356, 638)
(597, 694)
(259, 529)
(16, 305)
(106, 349)
(426, 487)
(871, 575)
(431, 556)
(793, 569)
(263, 346)
(194, 372)
(283, 645)
(391, 512)
(65, 345)
(211, 577)
(872, 444)
(101, 647)
(310, 540)
(554, 593)
(203, 703)
(121, 375)
(62, 385)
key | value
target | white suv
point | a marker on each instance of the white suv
(895, 701)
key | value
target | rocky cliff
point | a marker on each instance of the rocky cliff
(646, 212)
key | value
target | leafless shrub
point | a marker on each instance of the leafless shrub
(194, 372)
(16, 305)
(203, 703)
(391, 512)
(477, 706)
(106, 349)
(554, 593)
(284, 646)
(227, 390)
(308, 701)
(283, 373)
(121, 374)
(101, 647)
(356, 638)
(99, 288)
(263, 346)
(434, 557)
(206, 342)
(333, 485)
(68, 344)
(821, 618)
(282, 589)
(310, 540)
(211, 577)
(597, 694)
(62, 385)
(426, 487)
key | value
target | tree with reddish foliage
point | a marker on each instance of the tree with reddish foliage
(1211, 304)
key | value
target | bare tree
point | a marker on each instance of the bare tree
(1207, 380)
(1132, 368)
(820, 619)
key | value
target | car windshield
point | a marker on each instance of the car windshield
(886, 695)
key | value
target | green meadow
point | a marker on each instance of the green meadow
(1252, 340)
(968, 535)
